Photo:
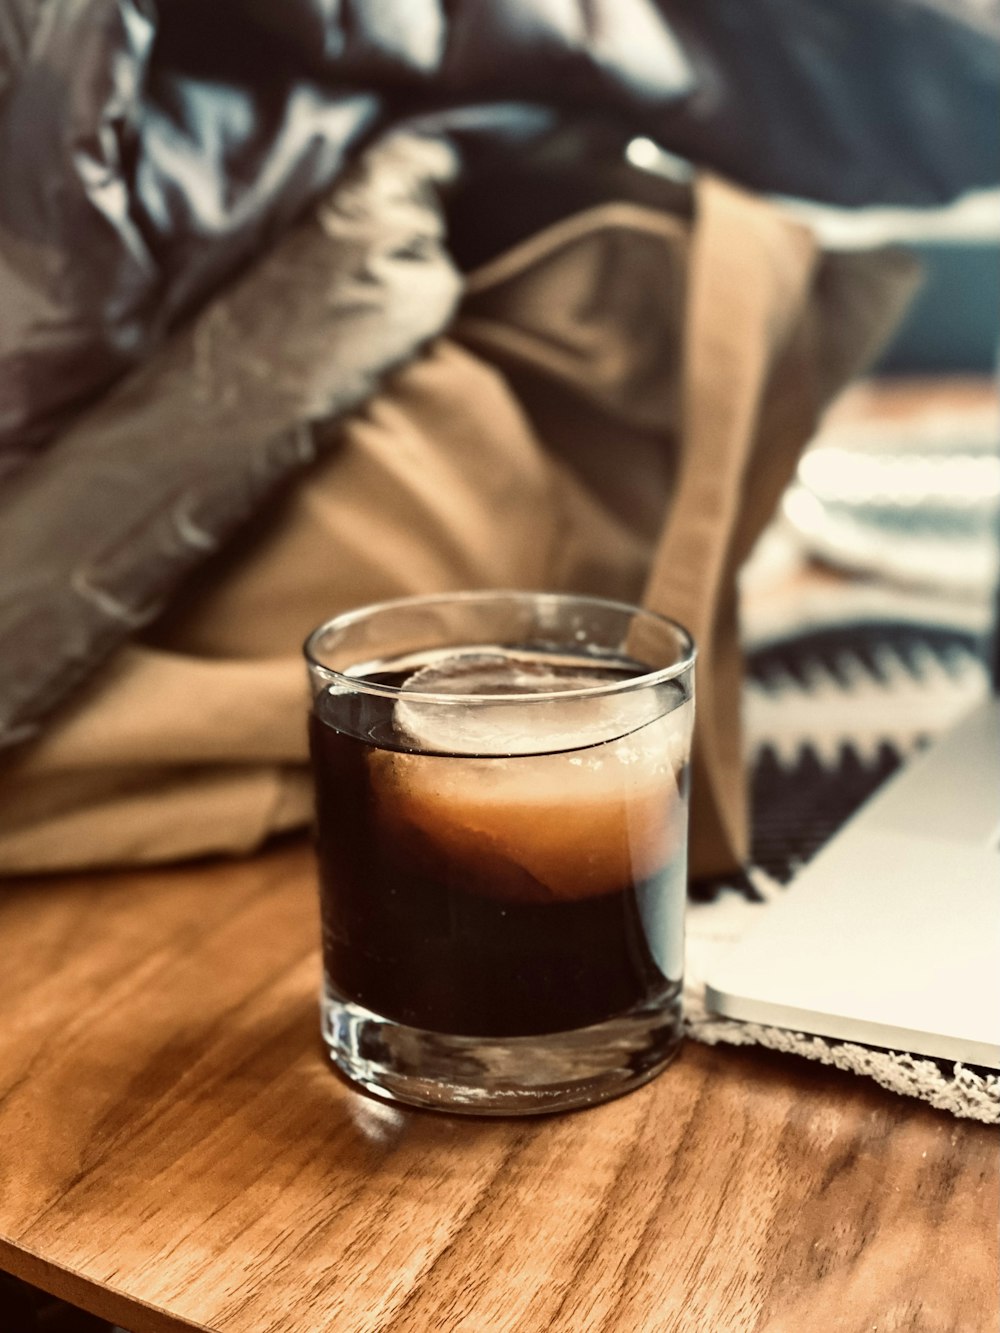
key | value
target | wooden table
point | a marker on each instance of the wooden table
(176, 1154)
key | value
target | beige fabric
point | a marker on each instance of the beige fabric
(661, 360)
(194, 741)
(616, 360)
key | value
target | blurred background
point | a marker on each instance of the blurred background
(870, 612)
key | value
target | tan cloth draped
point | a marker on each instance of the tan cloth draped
(621, 366)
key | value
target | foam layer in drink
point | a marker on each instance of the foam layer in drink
(592, 806)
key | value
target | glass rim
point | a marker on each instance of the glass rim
(659, 676)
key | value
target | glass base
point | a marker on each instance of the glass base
(502, 1075)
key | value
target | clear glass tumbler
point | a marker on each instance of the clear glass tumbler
(501, 816)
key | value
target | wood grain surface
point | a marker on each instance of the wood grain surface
(175, 1154)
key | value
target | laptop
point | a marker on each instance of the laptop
(890, 936)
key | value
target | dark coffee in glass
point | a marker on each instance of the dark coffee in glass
(501, 826)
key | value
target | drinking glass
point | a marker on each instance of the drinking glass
(501, 818)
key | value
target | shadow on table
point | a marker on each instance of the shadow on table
(25, 1309)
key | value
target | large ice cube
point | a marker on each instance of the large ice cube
(512, 720)
(598, 809)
